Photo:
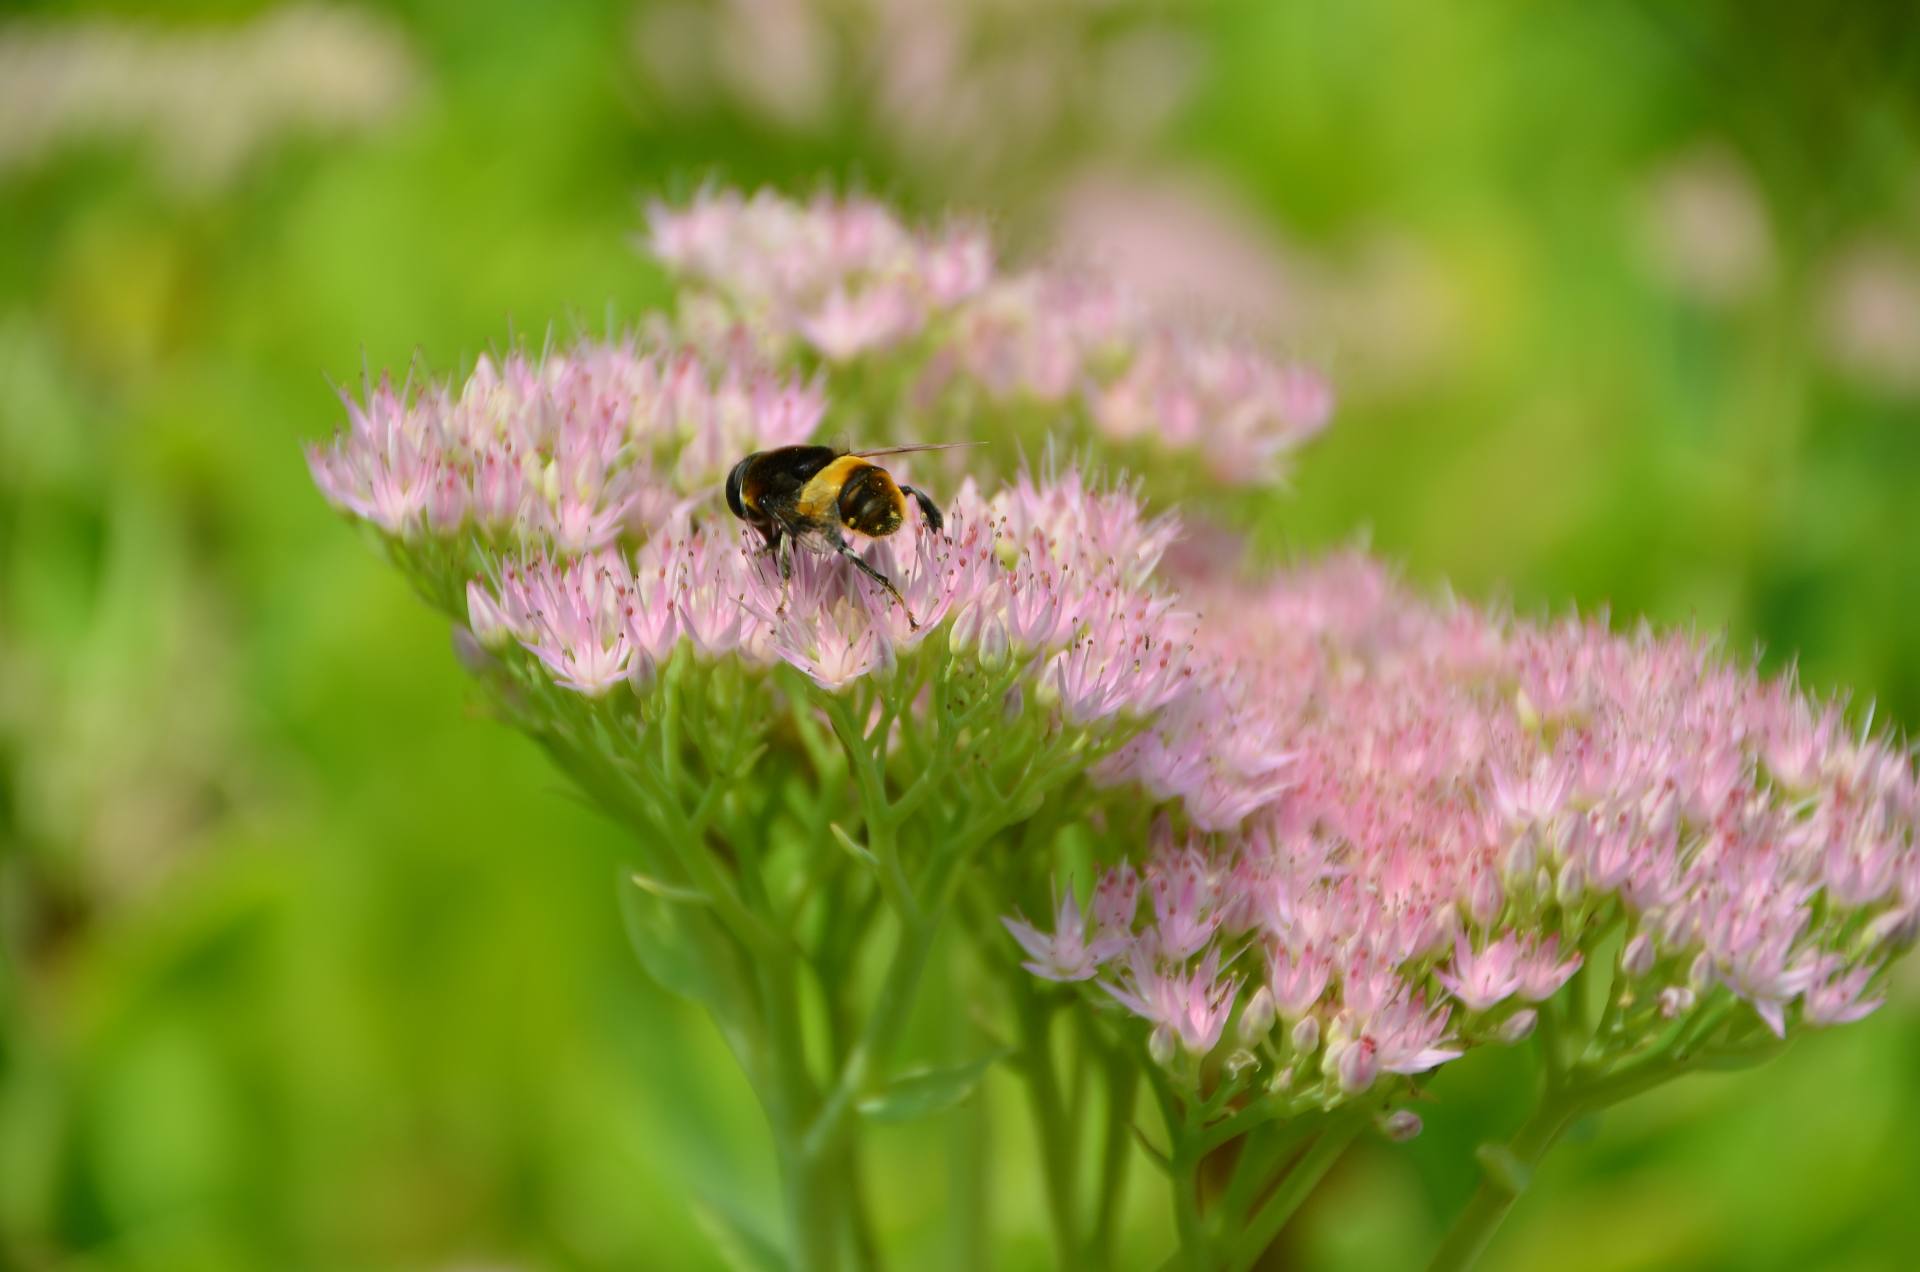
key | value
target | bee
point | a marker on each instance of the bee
(812, 497)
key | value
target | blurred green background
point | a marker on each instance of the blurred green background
(305, 966)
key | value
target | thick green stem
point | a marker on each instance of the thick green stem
(1506, 1172)
(1183, 1172)
(1051, 1125)
(1122, 1083)
(813, 1221)
(1295, 1187)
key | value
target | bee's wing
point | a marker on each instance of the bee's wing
(908, 449)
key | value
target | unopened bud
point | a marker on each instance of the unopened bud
(1572, 885)
(1306, 1035)
(1012, 704)
(1675, 1001)
(1542, 883)
(1522, 856)
(965, 629)
(1517, 1027)
(1678, 928)
(1700, 975)
(1281, 1080)
(1636, 960)
(1356, 1066)
(1257, 1017)
(1484, 899)
(471, 652)
(1160, 1045)
(1400, 1125)
(1239, 1061)
(993, 644)
(1894, 930)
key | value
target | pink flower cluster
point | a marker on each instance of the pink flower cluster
(845, 277)
(1055, 575)
(572, 449)
(1469, 803)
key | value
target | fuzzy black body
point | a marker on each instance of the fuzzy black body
(813, 496)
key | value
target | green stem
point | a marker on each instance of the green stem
(1057, 1138)
(1506, 1172)
(1123, 1083)
(1295, 1187)
(811, 1219)
(1183, 1172)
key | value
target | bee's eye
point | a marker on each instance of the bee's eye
(734, 482)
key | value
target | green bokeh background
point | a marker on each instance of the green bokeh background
(307, 966)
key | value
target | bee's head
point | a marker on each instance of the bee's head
(734, 479)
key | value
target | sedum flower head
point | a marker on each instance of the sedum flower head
(1471, 804)
(844, 278)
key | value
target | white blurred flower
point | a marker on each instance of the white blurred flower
(205, 100)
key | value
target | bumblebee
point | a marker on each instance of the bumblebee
(813, 496)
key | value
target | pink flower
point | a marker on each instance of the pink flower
(1066, 955)
(1833, 993)
(1540, 971)
(1195, 1004)
(1484, 978)
(575, 620)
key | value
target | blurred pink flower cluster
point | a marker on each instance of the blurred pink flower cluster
(845, 278)
(1470, 801)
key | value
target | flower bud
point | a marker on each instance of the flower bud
(1894, 930)
(471, 652)
(965, 629)
(1484, 899)
(1281, 1081)
(1675, 1001)
(1700, 975)
(1160, 1045)
(1542, 882)
(993, 644)
(489, 621)
(1357, 1065)
(1523, 855)
(1257, 1017)
(1636, 960)
(1517, 1027)
(1239, 1061)
(1572, 885)
(1012, 704)
(1306, 1035)
(1400, 1125)
(1677, 930)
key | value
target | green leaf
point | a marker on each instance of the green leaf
(923, 1093)
(673, 942)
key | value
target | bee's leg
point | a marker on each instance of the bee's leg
(929, 510)
(840, 545)
(783, 553)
